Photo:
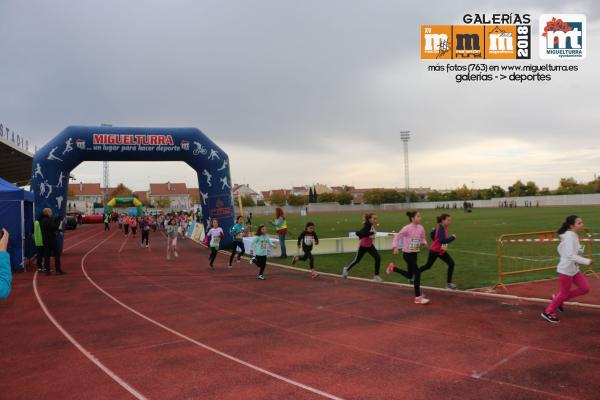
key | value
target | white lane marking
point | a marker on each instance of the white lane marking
(479, 375)
(75, 343)
(205, 346)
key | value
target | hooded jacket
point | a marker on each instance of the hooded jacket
(569, 251)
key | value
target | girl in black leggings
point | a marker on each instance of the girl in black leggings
(439, 248)
(367, 236)
(411, 237)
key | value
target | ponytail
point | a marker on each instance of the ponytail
(569, 222)
(441, 218)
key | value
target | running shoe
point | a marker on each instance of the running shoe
(176, 255)
(40, 269)
(411, 281)
(421, 300)
(451, 286)
(168, 258)
(252, 260)
(295, 260)
(314, 274)
(261, 277)
(389, 268)
(238, 260)
(377, 278)
(550, 318)
(560, 308)
(344, 272)
(229, 266)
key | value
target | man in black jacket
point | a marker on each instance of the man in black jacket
(50, 228)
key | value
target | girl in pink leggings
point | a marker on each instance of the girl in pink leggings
(568, 267)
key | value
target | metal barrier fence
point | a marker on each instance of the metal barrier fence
(523, 253)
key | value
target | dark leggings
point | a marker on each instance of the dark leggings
(361, 252)
(308, 256)
(234, 247)
(445, 257)
(126, 229)
(413, 271)
(213, 255)
(145, 236)
(261, 262)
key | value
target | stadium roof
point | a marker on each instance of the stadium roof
(15, 163)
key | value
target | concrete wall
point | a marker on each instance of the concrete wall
(544, 201)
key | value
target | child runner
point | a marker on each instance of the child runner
(214, 236)
(183, 225)
(145, 228)
(307, 239)
(365, 245)
(568, 267)
(172, 231)
(237, 231)
(412, 237)
(133, 224)
(126, 225)
(439, 248)
(107, 222)
(260, 247)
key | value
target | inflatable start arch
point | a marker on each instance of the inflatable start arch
(53, 163)
(135, 202)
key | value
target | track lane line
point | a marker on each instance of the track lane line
(202, 345)
(359, 349)
(77, 345)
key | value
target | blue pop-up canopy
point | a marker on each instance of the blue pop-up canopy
(16, 216)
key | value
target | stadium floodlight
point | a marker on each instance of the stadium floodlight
(405, 137)
(105, 174)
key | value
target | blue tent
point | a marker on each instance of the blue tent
(16, 216)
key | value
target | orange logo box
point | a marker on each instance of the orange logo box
(501, 42)
(469, 42)
(436, 42)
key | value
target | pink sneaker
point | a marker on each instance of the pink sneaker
(314, 274)
(421, 300)
(389, 268)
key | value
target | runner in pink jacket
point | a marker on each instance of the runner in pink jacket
(411, 238)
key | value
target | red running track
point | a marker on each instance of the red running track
(543, 289)
(129, 324)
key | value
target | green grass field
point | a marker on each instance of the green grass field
(474, 251)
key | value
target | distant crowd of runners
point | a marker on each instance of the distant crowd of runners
(409, 241)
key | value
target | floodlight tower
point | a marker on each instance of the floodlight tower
(105, 175)
(405, 137)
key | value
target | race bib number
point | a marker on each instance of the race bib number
(415, 245)
(239, 235)
(264, 246)
(445, 246)
(308, 240)
(215, 240)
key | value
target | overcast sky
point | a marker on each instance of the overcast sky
(297, 92)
